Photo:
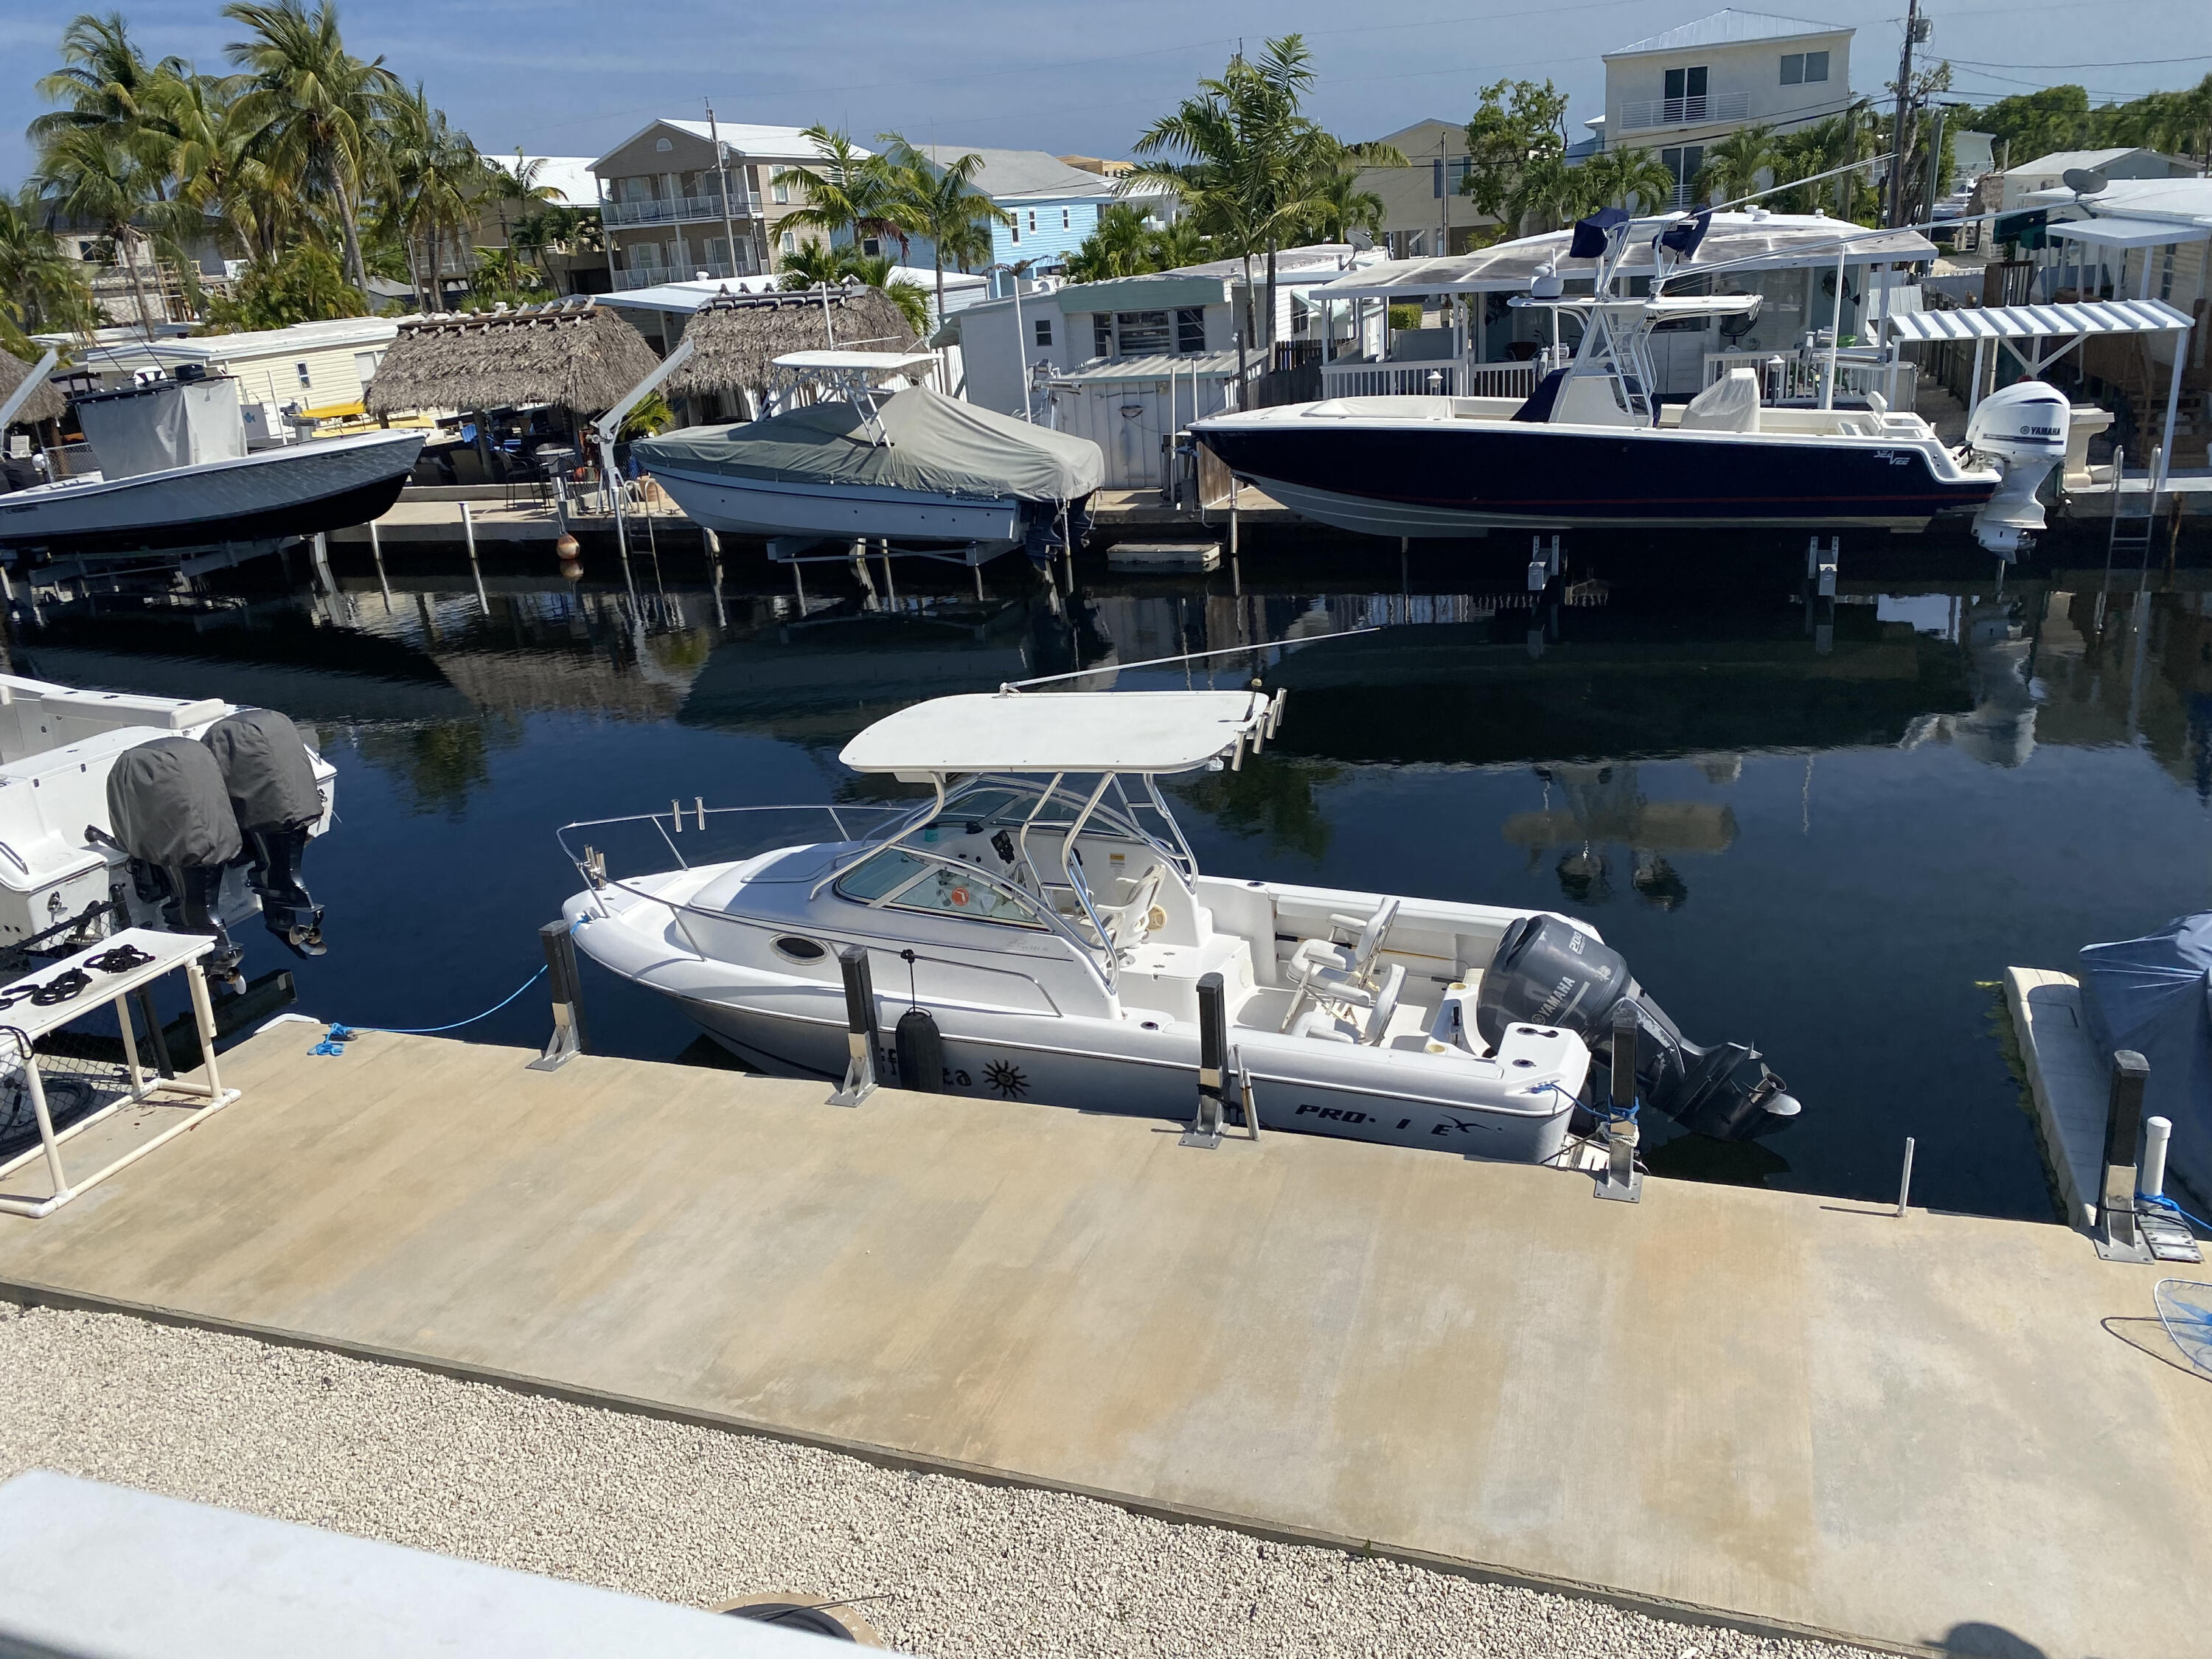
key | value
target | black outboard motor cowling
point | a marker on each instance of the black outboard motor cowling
(270, 783)
(1547, 971)
(173, 821)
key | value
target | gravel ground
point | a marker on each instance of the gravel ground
(701, 1515)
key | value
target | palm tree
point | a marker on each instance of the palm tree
(430, 181)
(1733, 166)
(1341, 207)
(1822, 147)
(1550, 192)
(819, 264)
(938, 200)
(847, 191)
(316, 107)
(103, 81)
(40, 288)
(516, 184)
(1633, 179)
(90, 174)
(1121, 245)
(542, 230)
(1182, 243)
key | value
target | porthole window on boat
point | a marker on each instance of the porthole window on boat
(799, 949)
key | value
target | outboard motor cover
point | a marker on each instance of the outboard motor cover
(271, 782)
(166, 801)
(172, 818)
(1547, 971)
(2022, 428)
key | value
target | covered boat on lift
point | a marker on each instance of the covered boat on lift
(1042, 917)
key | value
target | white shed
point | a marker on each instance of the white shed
(1133, 408)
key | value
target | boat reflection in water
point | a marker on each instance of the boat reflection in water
(1833, 823)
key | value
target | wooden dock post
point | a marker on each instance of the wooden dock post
(468, 532)
(561, 980)
(2118, 1239)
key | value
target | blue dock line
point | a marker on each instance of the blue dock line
(339, 1035)
(2163, 1203)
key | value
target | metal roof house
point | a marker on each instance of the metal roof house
(1681, 91)
(2049, 171)
(1055, 205)
(665, 211)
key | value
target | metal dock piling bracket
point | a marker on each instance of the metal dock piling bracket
(2118, 1239)
(861, 1039)
(1205, 1130)
(568, 1039)
(1620, 1180)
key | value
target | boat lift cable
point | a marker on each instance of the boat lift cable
(1187, 656)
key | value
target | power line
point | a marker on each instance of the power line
(2115, 62)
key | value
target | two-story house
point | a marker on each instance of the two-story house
(1680, 92)
(1426, 211)
(1054, 206)
(665, 214)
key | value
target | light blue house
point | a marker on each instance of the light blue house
(1055, 205)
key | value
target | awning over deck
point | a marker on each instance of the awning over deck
(2078, 318)
(2127, 233)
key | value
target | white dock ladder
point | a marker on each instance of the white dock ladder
(2136, 536)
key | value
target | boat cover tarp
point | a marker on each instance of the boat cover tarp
(169, 807)
(2154, 995)
(937, 446)
(265, 770)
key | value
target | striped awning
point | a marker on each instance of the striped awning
(2038, 322)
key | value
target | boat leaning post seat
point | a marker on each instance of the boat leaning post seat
(1341, 972)
(1337, 1020)
(1729, 404)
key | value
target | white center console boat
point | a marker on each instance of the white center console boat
(1043, 911)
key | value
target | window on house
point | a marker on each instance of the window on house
(1067, 219)
(1799, 67)
(780, 191)
(1032, 218)
(1190, 331)
(1143, 333)
(1014, 233)
(872, 247)
(1685, 163)
(1101, 334)
(1686, 94)
(1044, 330)
(791, 242)
(1447, 178)
(663, 146)
(364, 366)
(300, 369)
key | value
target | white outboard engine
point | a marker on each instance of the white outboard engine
(1547, 971)
(2022, 429)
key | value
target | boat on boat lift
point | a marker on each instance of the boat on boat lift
(1594, 447)
(175, 474)
(1039, 930)
(881, 458)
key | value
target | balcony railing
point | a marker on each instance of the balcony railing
(680, 209)
(1684, 112)
(635, 277)
(1443, 376)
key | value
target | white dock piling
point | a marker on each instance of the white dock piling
(376, 552)
(2157, 1132)
(468, 532)
(1905, 1181)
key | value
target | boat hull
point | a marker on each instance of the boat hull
(755, 506)
(272, 494)
(1450, 478)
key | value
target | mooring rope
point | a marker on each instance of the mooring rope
(339, 1035)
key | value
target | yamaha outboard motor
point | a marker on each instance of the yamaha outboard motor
(1547, 971)
(172, 820)
(271, 785)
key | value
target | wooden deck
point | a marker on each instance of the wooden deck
(1786, 1411)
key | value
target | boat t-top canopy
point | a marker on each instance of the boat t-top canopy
(1057, 732)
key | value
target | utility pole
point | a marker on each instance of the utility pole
(1443, 195)
(722, 170)
(1916, 30)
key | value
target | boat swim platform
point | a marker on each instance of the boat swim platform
(1769, 1410)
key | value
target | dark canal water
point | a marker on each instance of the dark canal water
(1825, 829)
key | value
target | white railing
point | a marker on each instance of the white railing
(1794, 378)
(671, 210)
(1684, 112)
(1443, 377)
(635, 276)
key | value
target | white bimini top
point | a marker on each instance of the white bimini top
(1058, 732)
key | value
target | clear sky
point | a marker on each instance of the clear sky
(571, 77)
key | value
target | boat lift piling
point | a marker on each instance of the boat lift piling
(862, 1039)
(2117, 1237)
(567, 1042)
(1620, 1180)
(1205, 1130)
(475, 570)
(376, 552)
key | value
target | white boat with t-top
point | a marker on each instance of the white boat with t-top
(1038, 929)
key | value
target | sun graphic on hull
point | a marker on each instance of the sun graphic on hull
(1006, 1079)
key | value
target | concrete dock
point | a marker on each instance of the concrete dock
(1939, 1433)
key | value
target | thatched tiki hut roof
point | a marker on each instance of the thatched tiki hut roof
(572, 354)
(43, 405)
(739, 337)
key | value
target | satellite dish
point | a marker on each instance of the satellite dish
(1362, 240)
(2083, 182)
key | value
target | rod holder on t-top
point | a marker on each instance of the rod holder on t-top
(1622, 1181)
(861, 1036)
